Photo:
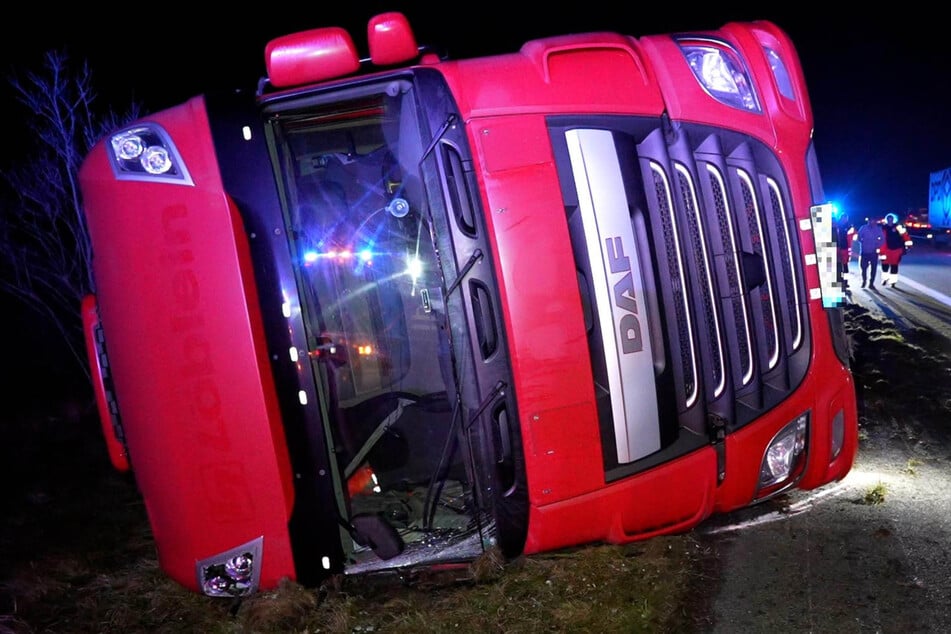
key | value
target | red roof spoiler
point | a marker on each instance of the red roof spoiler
(325, 53)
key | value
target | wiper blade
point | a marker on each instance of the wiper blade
(475, 257)
(451, 119)
(497, 390)
(434, 491)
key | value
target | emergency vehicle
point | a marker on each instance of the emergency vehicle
(391, 312)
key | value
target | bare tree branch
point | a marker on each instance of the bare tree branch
(45, 253)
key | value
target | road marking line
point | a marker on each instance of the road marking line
(921, 288)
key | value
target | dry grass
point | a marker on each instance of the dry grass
(601, 588)
(81, 585)
(875, 495)
(76, 555)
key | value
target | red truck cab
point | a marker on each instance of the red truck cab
(393, 312)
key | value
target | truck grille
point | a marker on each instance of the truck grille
(738, 238)
(706, 212)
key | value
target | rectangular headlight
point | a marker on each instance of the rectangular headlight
(785, 457)
(721, 72)
(232, 573)
(146, 152)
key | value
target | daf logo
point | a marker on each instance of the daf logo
(625, 300)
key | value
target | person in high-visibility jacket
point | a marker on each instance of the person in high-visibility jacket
(896, 245)
(844, 235)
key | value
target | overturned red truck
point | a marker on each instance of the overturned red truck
(387, 313)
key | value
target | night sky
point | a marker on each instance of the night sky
(880, 85)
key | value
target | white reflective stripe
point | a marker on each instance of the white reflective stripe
(826, 257)
(616, 275)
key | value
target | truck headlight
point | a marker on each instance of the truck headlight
(785, 457)
(720, 71)
(233, 573)
(146, 152)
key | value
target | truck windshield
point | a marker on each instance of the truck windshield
(371, 295)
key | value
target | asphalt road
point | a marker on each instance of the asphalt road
(831, 561)
(841, 558)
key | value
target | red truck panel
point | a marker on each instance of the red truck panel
(176, 297)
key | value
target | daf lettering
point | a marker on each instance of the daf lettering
(629, 326)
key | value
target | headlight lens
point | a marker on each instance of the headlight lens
(785, 456)
(233, 573)
(720, 71)
(147, 153)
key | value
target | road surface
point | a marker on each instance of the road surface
(871, 553)
(922, 296)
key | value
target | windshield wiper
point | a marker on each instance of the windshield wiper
(475, 257)
(451, 119)
(452, 442)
